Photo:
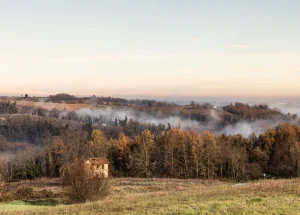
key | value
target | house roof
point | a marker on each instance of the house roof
(99, 161)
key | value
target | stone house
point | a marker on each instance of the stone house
(97, 167)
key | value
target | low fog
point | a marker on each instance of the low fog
(213, 124)
(246, 128)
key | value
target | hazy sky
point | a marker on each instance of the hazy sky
(155, 48)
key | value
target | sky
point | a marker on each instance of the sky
(189, 48)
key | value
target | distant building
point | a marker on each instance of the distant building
(97, 167)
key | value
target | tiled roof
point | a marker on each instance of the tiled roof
(99, 161)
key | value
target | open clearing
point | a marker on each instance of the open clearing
(50, 106)
(176, 196)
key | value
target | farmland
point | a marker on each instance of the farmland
(49, 106)
(175, 196)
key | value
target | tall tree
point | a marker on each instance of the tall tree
(197, 149)
(99, 145)
(143, 154)
(211, 154)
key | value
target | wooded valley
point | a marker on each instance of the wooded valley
(39, 142)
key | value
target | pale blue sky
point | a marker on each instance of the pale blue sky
(154, 48)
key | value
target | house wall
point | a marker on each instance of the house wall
(105, 171)
(94, 171)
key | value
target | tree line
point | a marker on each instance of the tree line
(171, 153)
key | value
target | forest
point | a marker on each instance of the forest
(39, 144)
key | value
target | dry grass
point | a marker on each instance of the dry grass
(174, 196)
(50, 106)
(51, 184)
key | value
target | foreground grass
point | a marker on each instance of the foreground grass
(173, 196)
(26, 204)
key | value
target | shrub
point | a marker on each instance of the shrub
(2, 184)
(6, 195)
(45, 194)
(80, 188)
(24, 193)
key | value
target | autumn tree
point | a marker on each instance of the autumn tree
(237, 157)
(143, 153)
(172, 151)
(121, 153)
(161, 164)
(197, 151)
(6, 160)
(76, 146)
(99, 146)
(24, 164)
(295, 158)
(267, 140)
(54, 156)
(184, 154)
(211, 154)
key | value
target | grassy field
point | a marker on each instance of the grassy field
(50, 106)
(26, 204)
(174, 196)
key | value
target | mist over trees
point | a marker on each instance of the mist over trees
(171, 153)
(37, 142)
(108, 111)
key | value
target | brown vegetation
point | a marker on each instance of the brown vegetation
(183, 196)
(50, 106)
(80, 186)
(39, 146)
(171, 153)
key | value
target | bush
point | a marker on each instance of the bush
(6, 195)
(2, 184)
(24, 193)
(45, 194)
(80, 188)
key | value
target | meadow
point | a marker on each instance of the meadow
(50, 106)
(173, 196)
